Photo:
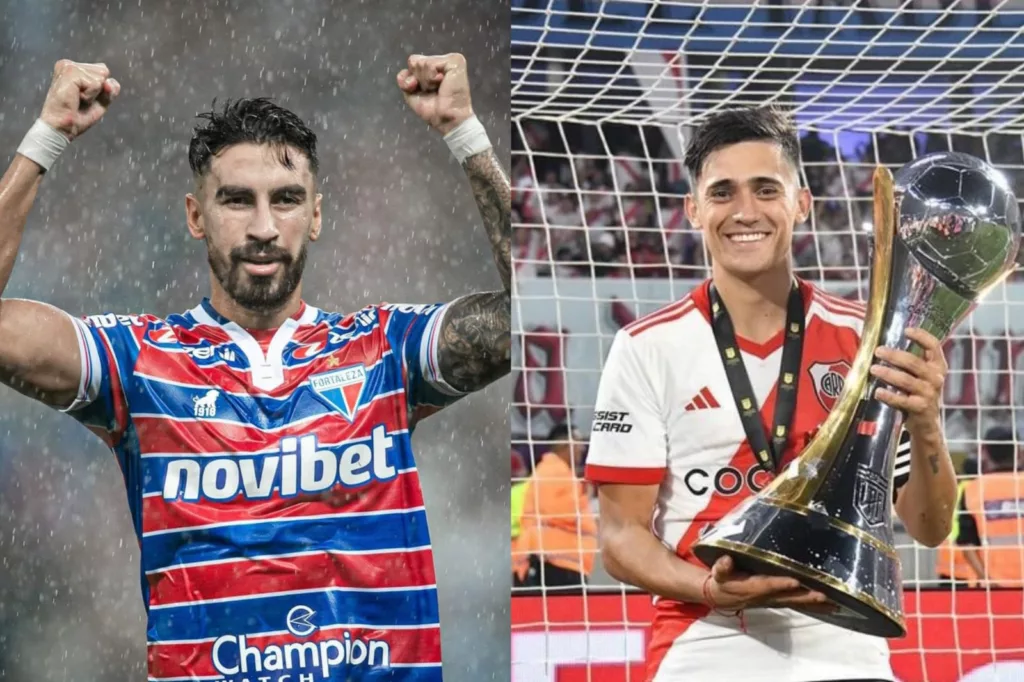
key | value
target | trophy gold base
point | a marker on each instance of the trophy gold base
(862, 578)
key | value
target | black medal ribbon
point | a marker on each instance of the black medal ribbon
(768, 452)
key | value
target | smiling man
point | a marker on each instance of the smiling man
(688, 456)
(265, 444)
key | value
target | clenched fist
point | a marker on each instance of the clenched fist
(437, 89)
(79, 97)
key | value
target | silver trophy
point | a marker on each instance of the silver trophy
(943, 236)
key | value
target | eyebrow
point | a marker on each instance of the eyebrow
(239, 192)
(725, 183)
(232, 191)
(297, 190)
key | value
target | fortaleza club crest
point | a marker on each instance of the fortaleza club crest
(342, 388)
(828, 379)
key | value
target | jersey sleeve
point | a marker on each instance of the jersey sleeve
(901, 471)
(413, 333)
(628, 442)
(108, 346)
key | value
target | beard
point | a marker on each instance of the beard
(259, 293)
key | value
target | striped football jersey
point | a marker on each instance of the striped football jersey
(273, 489)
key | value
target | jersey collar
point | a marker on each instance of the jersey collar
(267, 368)
(702, 299)
(299, 315)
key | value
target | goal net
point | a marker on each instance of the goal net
(604, 94)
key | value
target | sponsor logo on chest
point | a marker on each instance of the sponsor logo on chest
(242, 660)
(204, 351)
(300, 465)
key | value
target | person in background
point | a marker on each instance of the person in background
(519, 474)
(991, 514)
(558, 533)
(952, 569)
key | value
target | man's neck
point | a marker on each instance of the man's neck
(247, 318)
(757, 305)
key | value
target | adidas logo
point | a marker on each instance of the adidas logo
(702, 401)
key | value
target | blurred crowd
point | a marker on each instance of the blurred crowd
(607, 201)
(108, 234)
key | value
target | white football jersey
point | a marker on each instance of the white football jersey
(665, 415)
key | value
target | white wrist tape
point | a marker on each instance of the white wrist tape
(467, 139)
(43, 144)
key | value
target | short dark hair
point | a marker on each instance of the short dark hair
(256, 120)
(732, 126)
(560, 433)
(1001, 447)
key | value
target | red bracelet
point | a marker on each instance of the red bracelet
(706, 590)
(710, 601)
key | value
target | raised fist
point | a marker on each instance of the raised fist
(437, 89)
(79, 96)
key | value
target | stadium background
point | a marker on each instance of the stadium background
(599, 91)
(108, 234)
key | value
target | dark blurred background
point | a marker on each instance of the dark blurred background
(108, 234)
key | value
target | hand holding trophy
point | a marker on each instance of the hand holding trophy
(945, 232)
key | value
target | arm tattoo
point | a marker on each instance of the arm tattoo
(934, 461)
(493, 194)
(475, 345)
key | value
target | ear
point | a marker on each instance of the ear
(690, 206)
(803, 202)
(314, 233)
(194, 217)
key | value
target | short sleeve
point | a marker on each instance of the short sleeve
(628, 436)
(901, 471)
(109, 347)
(413, 333)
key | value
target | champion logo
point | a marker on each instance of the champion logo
(702, 401)
(235, 656)
(297, 621)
